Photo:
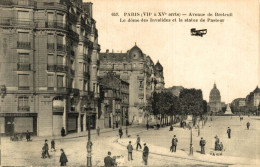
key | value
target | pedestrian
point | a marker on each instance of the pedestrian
(138, 142)
(248, 125)
(202, 145)
(28, 136)
(147, 126)
(198, 130)
(130, 150)
(171, 128)
(63, 158)
(53, 145)
(120, 132)
(216, 143)
(229, 132)
(221, 147)
(46, 148)
(108, 160)
(174, 143)
(145, 154)
(98, 130)
(62, 132)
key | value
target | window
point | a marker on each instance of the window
(60, 81)
(140, 84)
(72, 64)
(50, 18)
(23, 37)
(113, 66)
(50, 59)
(23, 104)
(23, 58)
(134, 65)
(59, 60)
(50, 41)
(60, 39)
(23, 15)
(125, 66)
(94, 87)
(50, 81)
(85, 86)
(60, 18)
(23, 81)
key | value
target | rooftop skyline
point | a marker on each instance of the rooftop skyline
(227, 54)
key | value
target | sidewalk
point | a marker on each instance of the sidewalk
(76, 134)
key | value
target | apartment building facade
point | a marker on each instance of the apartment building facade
(139, 71)
(49, 66)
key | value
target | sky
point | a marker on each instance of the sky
(227, 54)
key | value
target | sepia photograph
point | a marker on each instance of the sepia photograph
(130, 83)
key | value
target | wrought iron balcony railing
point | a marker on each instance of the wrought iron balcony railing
(23, 45)
(23, 67)
(29, 3)
(23, 108)
(61, 47)
(51, 46)
(57, 68)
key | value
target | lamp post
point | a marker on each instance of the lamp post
(89, 143)
(191, 147)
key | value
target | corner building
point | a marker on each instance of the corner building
(139, 71)
(49, 63)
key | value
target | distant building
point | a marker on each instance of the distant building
(215, 104)
(139, 71)
(114, 93)
(253, 99)
(239, 102)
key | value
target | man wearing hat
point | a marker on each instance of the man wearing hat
(174, 143)
(63, 158)
(130, 150)
(229, 132)
(46, 148)
(108, 160)
(202, 145)
(145, 154)
(138, 142)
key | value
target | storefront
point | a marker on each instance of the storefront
(18, 123)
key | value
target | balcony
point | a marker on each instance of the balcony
(62, 89)
(86, 93)
(16, 22)
(52, 5)
(50, 46)
(27, 3)
(61, 47)
(23, 108)
(88, 29)
(23, 45)
(23, 88)
(23, 67)
(57, 68)
(74, 91)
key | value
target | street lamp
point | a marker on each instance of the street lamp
(89, 143)
(191, 147)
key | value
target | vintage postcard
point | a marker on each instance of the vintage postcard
(129, 83)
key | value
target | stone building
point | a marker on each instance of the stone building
(114, 93)
(139, 71)
(253, 98)
(49, 61)
(215, 104)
